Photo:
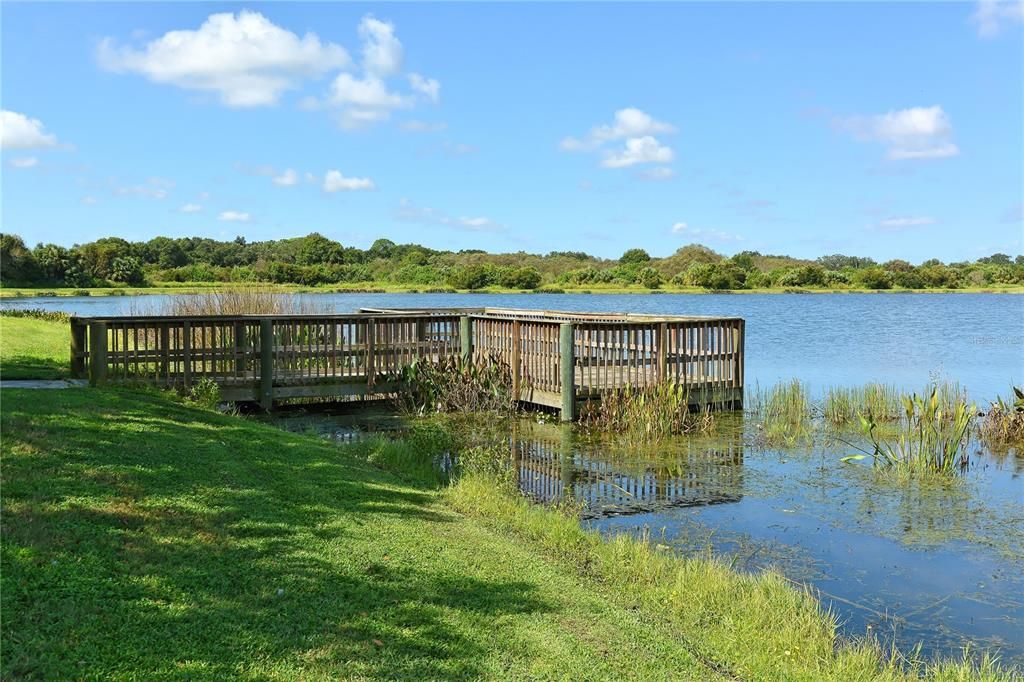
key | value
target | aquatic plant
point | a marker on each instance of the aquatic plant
(648, 412)
(36, 314)
(204, 393)
(931, 437)
(785, 412)
(1003, 425)
(236, 301)
(452, 384)
(842, 405)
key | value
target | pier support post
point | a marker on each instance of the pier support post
(97, 353)
(78, 332)
(466, 337)
(267, 364)
(567, 367)
(241, 348)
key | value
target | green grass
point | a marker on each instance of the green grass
(34, 349)
(146, 539)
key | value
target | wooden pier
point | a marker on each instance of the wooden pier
(557, 359)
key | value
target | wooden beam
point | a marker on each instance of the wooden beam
(566, 343)
(267, 364)
(97, 353)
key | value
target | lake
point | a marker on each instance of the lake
(936, 566)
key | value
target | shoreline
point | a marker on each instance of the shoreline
(373, 288)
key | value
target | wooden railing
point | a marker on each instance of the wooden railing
(555, 358)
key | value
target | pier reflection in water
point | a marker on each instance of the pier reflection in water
(606, 479)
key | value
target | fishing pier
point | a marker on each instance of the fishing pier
(556, 359)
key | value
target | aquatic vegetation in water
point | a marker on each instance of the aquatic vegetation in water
(1003, 425)
(235, 301)
(842, 405)
(648, 413)
(785, 412)
(451, 384)
(931, 438)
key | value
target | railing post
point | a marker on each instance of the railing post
(466, 337)
(186, 353)
(97, 353)
(165, 352)
(738, 404)
(241, 348)
(266, 364)
(566, 338)
(662, 351)
(517, 370)
(78, 332)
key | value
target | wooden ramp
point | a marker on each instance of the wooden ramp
(556, 358)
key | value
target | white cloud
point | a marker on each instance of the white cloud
(914, 133)
(991, 16)
(902, 223)
(659, 173)
(408, 212)
(88, 201)
(639, 150)
(234, 217)
(18, 131)
(415, 126)
(334, 181)
(704, 234)
(287, 178)
(382, 51)
(24, 162)
(427, 86)
(628, 122)
(245, 58)
(190, 208)
(369, 93)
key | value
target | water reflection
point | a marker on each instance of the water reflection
(552, 466)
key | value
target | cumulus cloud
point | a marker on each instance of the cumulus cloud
(905, 222)
(18, 131)
(366, 93)
(234, 217)
(190, 208)
(704, 234)
(914, 133)
(24, 162)
(427, 86)
(286, 179)
(991, 16)
(334, 181)
(382, 51)
(408, 212)
(637, 128)
(645, 149)
(244, 58)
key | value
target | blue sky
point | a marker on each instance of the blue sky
(881, 129)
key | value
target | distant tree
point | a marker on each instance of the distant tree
(316, 249)
(126, 270)
(996, 259)
(873, 278)
(17, 264)
(649, 278)
(471, 277)
(897, 265)
(382, 248)
(744, 261)
(634, 257)
(838, 261)
(52, 261)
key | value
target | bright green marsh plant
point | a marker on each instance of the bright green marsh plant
(1003, 424)
(785, 412)
(932, 437)
(452, 384)
(647, 413)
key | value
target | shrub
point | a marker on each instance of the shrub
(649, 278)
(873, 278)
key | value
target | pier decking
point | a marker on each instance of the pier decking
(557, 359)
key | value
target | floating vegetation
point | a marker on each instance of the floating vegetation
(785, 412)
(931, 438)
(36, 314)
(451, 384)
(1003, 425)
(648, 413)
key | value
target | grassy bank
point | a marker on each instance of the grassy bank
(390, 288)
(33, 348)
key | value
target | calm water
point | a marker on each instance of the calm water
(937, 567)
(823, 339)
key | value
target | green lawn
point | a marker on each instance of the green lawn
(34, 349)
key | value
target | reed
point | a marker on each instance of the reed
(842, 405)
(234, 301)
(648, 413)
(1002, 427)
(785, 412)
(932, 436)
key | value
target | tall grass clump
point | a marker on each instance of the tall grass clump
(648, 412)
(423, 454)
(1002, 427)
(452, 384)
(784, 410)
(235, 301)
(36, 314)
(842, 405)
(932, 436)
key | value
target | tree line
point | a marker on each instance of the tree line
(315, 260)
